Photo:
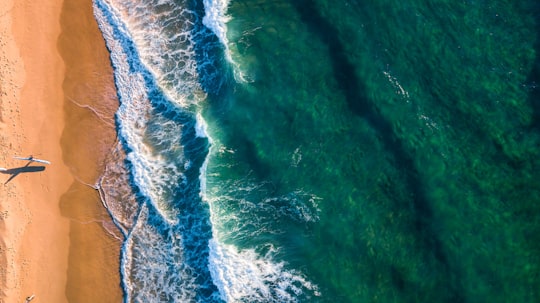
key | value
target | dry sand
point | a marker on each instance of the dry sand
(57, 101)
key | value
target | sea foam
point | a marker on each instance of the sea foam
(149, 170)
(155, 264)
(244, 276)
(216, 19)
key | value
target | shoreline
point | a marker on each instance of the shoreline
(52, 220)
(90, 103)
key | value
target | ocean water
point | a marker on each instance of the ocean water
(323, 151)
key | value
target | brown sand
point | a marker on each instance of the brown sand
(56, 101)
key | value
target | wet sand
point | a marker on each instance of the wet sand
(57, 103)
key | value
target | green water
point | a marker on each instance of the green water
(388, 149)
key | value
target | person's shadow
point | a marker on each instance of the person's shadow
(23, 169)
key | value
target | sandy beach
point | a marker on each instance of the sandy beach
(57, 102)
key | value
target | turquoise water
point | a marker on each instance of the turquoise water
(323, 151)
(389, 149)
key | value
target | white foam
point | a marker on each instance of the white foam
(153, 261)
(153, 174)
(164, 40)
(244, 276)
(215, 18)
(147, 261)
(201, 128)
(202, 180)
(251, 199)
